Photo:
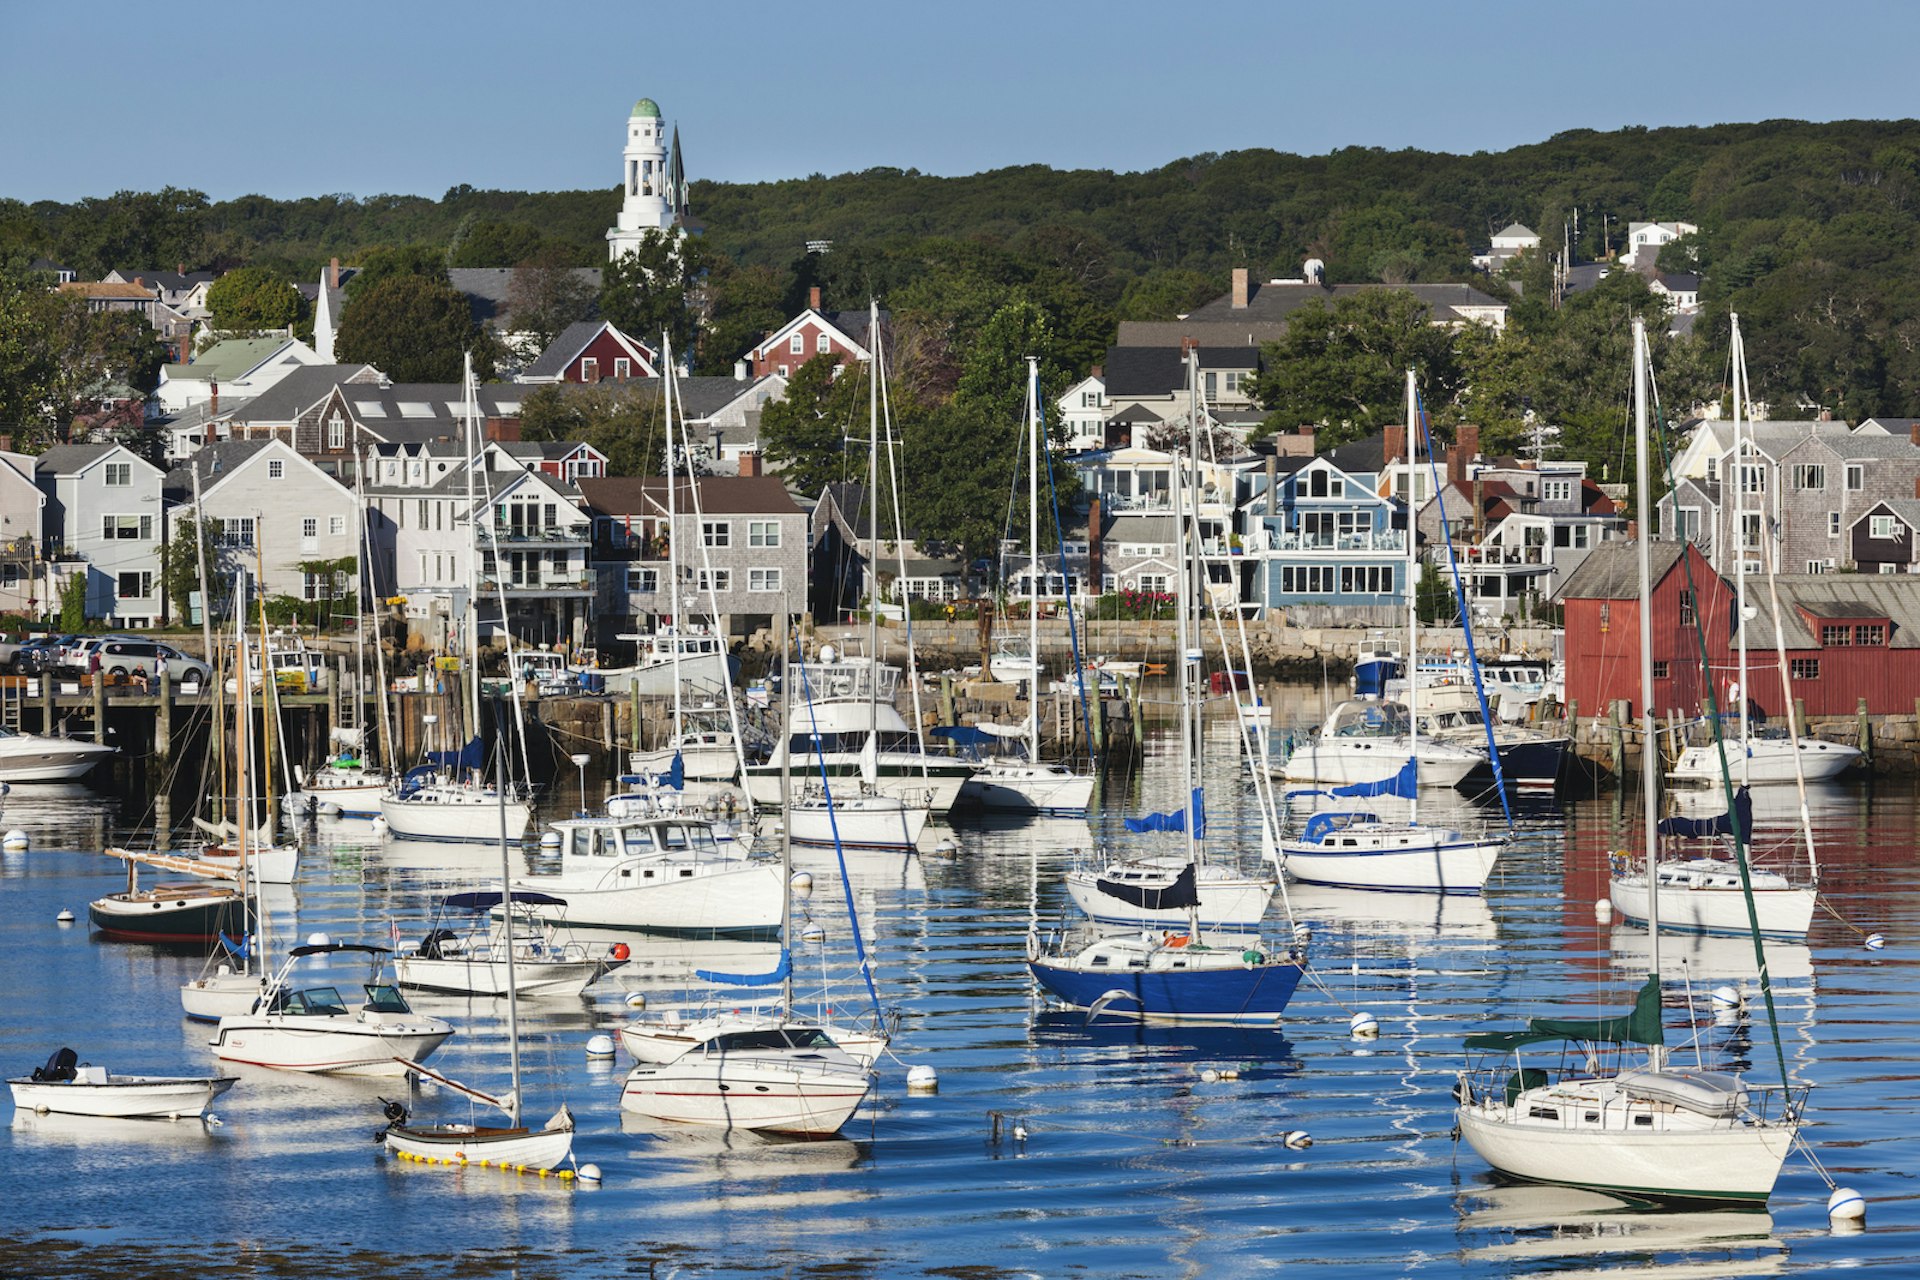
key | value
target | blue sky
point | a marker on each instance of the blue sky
(408, 96)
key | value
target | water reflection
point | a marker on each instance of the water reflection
(1548, 1227)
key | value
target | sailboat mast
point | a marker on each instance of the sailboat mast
(472, 673)
(269, 691)
(242, 713)
(206, 638)
(1181, 599)
(1649, 744)
(873, 528)
(513, 986)
(675, 638)
(1033, 559)
(1413, 600)
(1740, 546)
(786, 811)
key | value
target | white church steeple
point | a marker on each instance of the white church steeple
(647, 203)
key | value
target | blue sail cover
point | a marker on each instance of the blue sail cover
(1405, 784)
(471, 756)
(1175, 821)
(238, 950)
(778, 974)
(1718, 825)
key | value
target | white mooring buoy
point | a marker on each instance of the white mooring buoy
(550, 840)
(802, 884)
(588, 1175)
(1875, 941)
(16, 841)
(922, 1079)
(636, 1000)
(813, 935)
(1603, 910)
(1298, 1139)
(600, 1046)
(65, 916)
(319, 940)
(1728, 998)
(1845, 1205)
(1363, 1025)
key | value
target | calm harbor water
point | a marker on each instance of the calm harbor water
(1134, 1161)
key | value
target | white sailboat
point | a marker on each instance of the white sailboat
(1656, 1131)
(766, 1072)
(1357, 850)
(1031, 785)
(514, 1144)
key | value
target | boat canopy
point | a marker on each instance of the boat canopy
(1642, 1026)
(1177, 895)
(325, 948)
(1322, 825)
(486, 900)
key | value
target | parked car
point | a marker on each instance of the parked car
(40, 654)
(138, 658)
(76, 656)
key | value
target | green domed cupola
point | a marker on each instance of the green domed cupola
(647, 107)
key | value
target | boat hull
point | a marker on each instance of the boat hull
(1253, 993)
(665, 1040)
(736, 898)
(360, 800)
(469, 1144)
(354, 1048)
(221, 995)
(1228, 899)
(488, 977)
(1730, 1165)
(938, 789)
(1030, 789)
(467, 821)
(157, 916)
(1784, 914)
(1343, 763)
(32, 757)
(1769, 762)
(1435, 866)
(894, 826)
(123, 1097)
(735, 1093)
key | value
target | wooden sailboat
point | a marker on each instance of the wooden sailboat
(1591, 1118)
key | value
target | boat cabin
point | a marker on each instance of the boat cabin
(590, 844)
(1368, 720)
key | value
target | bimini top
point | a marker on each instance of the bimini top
(325, 948)
(1642, 1026)
(486, 900)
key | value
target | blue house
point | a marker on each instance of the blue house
(1324, 539)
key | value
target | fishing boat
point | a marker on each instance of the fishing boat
(481, 960)
(1166, 976)
(67, 1086)
(314, 1029)
(663, 873)
(669, 659)
(1589, 1117)
(513, 1145)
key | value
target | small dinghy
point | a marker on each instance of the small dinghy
(71, 1087)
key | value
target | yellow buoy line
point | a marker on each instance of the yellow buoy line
(461, 1162)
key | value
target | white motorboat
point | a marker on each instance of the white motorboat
(1767, 762)
(1023, 786)
(783, 1079)
(659, 874)
(222, 993)
(1126, 892)
(313, 1029)
(669, 658)
(476, 961)
(37, 757)
(856, 819)
(1365, 741)
(451, 810)
(1359, 851)
(669, 1034)
(69, 1087)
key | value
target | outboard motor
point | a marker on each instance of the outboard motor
(396, 1113)
(60, 1067)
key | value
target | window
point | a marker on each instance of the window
(1366, 580)
(1882, 527)
(1556, 490)
(276, 469)
(763, 533)
(322, 586)
(1713, 468)
(237, 531)
(133, 586)
(1833, 524)
(336, 432)
(1660, 670)
(798, 344)
(119, 474)
(822, 345)
(1870, 633)
(643, 581)
(1213, 384)
(1856, 477)
(622, 368)
(126, 528)
(309, 527)
(783, 371)
(1156, 582)
(422, 513)
(589, 369)
(1753, 478)
(1888, 566)
(1816, 566)
(336, 525)
(714, 580)
(1804, 668)
(1750, 531)
(1809, 476)
(1686, 524)
(1686, 609)
(716, 533)
(1835, 635)
(1233, 382)
(1308, 579)
(763, 580)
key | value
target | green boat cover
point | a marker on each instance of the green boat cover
(1642, 1026)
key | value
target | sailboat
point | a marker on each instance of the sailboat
(1654, 1131)
(1189, 976)
(513, 1144)
(446, 799)
(1032, 785)
(1357, 850)
(770, 1073)
(1708, 894)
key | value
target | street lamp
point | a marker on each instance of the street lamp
(580, 763)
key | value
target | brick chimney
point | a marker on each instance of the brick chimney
(333, 274)
(749, 464)
(179, 268)
(1466, 447)
(1916, 483)
(1913, 433)
(1098, 371)
(1096, 553)
(1240, 290)
(1395, 448)
(813, 297)
(213, 407)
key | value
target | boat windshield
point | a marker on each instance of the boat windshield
(383, 997)
(774, 1038)
(1369, 720)
(316, 1001)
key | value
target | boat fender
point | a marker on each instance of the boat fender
(621, 951)
(1252, 957)
(1463, 1090)
(1033, 945)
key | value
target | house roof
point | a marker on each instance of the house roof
(574, 339)
(719, 496)
(215, 461)
(488, 290)
(1611, 571)
(171, 281)
(1159, 371)
(1139, 526)
(107, 289)
(228, 359)
(1365, 456)
(1907, 509)
(69, 459)
(1841, 596)
(299, 391)
(1514, 230)
(1278, 300)
(408, 407)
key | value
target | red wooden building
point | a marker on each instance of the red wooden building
(841, 334)
(1847, 636)
(592, 351)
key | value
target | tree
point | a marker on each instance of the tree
(55, 355)
(1343, 368)
(429, 262)
(180, 565)
(804, 436)
(958, 465)
(993, 377)
(413, 330)
(743, 305)
(73, 602)
(649, 289)
(487, 242)
(622, 420)
(545, 294)
(251, 299)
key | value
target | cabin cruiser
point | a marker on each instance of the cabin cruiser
(659, 874)
(1368, 740)
(37, 757)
